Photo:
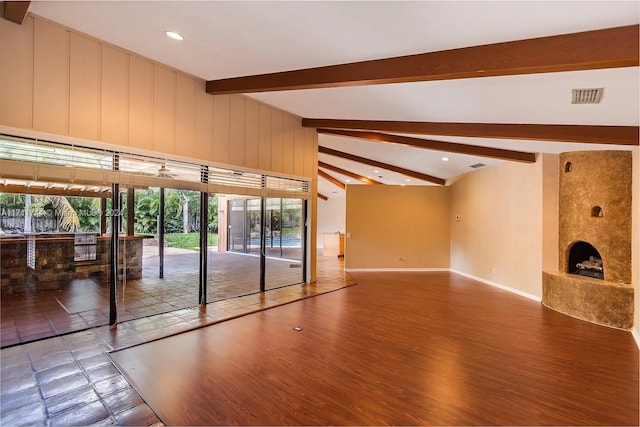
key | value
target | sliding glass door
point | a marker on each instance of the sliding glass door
(284, 249)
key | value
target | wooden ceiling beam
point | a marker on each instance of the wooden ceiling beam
(589, 50)
(429, 144)
(618, 135)
(331, 179)
(15, 11)
(364, 160)
(322, 196)
(348, 173)
(52, 191)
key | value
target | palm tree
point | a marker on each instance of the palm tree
(66, 216)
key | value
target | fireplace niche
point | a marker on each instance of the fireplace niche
(593, 281)
(585, 260)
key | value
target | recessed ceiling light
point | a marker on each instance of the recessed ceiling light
(408, 180)
(174, 35)
(445, 159)
(376, 171)
(347, 180)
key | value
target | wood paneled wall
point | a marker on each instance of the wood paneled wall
(58, 81)
(61, 82)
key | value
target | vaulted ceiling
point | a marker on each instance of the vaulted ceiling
(482, 104)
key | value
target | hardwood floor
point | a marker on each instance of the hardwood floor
(398, 348)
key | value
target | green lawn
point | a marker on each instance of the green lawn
(188, 241)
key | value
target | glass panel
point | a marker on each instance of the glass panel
(233, 260)
(55, 264)
(284, 249)
(141, 291)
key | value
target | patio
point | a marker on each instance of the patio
(83, 304)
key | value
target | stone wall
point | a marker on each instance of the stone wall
(55, 265)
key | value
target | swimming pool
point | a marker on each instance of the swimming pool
(287, 241)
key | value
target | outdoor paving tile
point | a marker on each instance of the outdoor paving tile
(101, 372)
(81, 416)
(17, 383)
(30, 415)
(140, 415)
(10, 339)
(94, 361)
(58, 359)
(15, 370)
(30, 336)
(63, 385)
(19, 399)
(122, 400)
(62, 402)
(86, 352)
(11, 353)
(56, 372)
(111, 385)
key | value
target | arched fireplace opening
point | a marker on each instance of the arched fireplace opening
(585, 260)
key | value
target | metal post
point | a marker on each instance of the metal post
(263, 243)
(114, 255)
(131, 220)
(280, 225)
(304, 240)
(204, 237)
(161, 234)
(103, 216)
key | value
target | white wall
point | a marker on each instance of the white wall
(331, 216)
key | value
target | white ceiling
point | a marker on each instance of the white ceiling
(231, 39)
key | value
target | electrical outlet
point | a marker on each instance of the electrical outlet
(493, 270)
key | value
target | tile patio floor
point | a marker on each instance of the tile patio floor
(83, 304)
(68, 380)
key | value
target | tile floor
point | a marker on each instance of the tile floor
(83, 304)
(68, 380)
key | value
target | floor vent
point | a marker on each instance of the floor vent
(478, 165)
(586, 96)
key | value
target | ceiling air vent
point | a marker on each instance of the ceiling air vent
(478, 165)
(586, 96)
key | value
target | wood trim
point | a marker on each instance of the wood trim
(331, 179)
(429, 144)
(618, 135)
(21, 189)
(15, 11)
(347, 173)
(322, 196)
(403, 171)
(589, 50)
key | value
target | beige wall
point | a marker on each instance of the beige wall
(499, 235)
(387, 223)
(61, 82)
(550, 211)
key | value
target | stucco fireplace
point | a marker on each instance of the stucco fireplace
(594, 278)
